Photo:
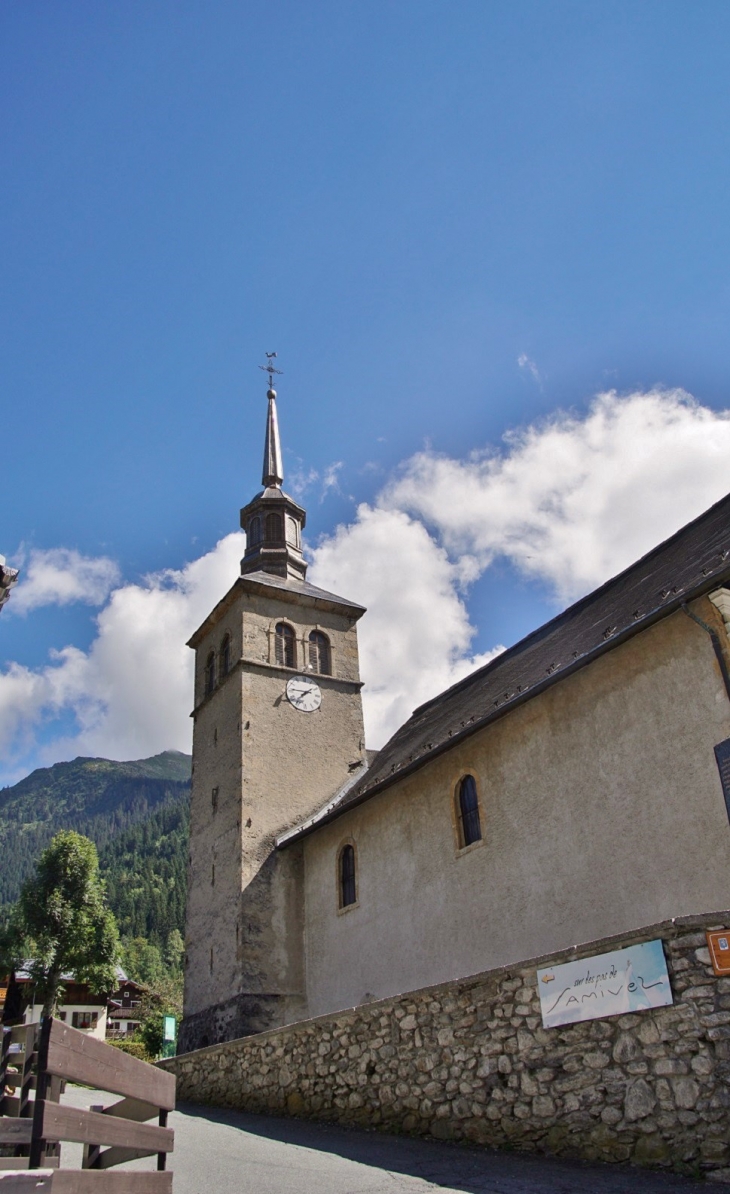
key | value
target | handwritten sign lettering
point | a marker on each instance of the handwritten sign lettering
(626, 980)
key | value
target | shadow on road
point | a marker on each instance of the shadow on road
(456, 1167)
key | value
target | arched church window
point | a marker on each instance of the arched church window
(347, 876)
(210, 673)
(320, 656)
(254, 531)
(470, 829)
(273, 528)
(225, 656)
(285, 648)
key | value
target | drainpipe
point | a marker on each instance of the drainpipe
(716, 645)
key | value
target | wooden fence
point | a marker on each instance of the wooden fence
(35, 1064)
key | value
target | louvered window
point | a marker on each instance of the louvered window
(469, 824)
(348, 882)
(225, 656)
(285, 646)
(320, 656)
(254, 531)
(292, 531)
(273, 528)
(209, 674)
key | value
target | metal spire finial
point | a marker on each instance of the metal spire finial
(273, 471)
(269, 368)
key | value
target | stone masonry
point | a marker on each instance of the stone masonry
(470, 1060)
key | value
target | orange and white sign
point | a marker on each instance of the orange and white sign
(718, 943)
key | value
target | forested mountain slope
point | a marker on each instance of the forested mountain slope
(145, 869)
(135, 812)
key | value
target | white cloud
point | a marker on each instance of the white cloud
(131, 693)
(301, 480)
(525, 362)
(570, 501)
(61, 576)
(414, 639)
(330, 479)
(26, 696)
(576, 499)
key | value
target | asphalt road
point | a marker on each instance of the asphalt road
(229, 1152)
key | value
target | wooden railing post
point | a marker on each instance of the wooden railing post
(26, 1081)
(111, 1135)
(38, 1144)
(4, 1054)
(162, 1157)
(92, 1152)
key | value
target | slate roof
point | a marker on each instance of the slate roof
(292, 585)
(288, 585)
(693, 561)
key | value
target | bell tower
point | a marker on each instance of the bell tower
(273, 521)
(277, 732)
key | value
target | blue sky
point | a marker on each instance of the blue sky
(449, 219)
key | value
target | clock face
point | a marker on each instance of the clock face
(304, 694)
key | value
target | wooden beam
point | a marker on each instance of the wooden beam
(81, 1058)
(92, 1181)
(89, 1127)
(37, 1181)
(15, 1131)
(135, 1109)
(108, 1157)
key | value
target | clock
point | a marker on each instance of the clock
(304, 694)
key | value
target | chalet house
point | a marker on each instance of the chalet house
(123, 1010)
(98, 1014)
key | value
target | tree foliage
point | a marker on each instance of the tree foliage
(145, 867)
(137, 814)
(62, 924)
(161, 973)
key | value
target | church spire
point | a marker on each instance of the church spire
(273, 521)
(273, 472)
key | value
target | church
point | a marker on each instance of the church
(574, 788)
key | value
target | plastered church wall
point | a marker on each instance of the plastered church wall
(601, 810)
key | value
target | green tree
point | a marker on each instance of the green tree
(61, 923)
(174, 951)
(151, 1032)
(142, 961)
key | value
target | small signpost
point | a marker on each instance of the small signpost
(718, 943)
(169, 1036)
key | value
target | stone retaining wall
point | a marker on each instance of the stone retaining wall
(470, 1060)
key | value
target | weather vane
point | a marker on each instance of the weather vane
(269, 368)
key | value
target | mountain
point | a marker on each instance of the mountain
(137, 814)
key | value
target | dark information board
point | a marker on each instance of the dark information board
(722, 754)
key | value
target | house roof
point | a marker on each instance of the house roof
(23, 975)
(692, 562)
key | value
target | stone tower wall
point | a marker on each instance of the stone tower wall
(274, 766)
(214, 871)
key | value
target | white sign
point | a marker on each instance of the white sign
(626, 980)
